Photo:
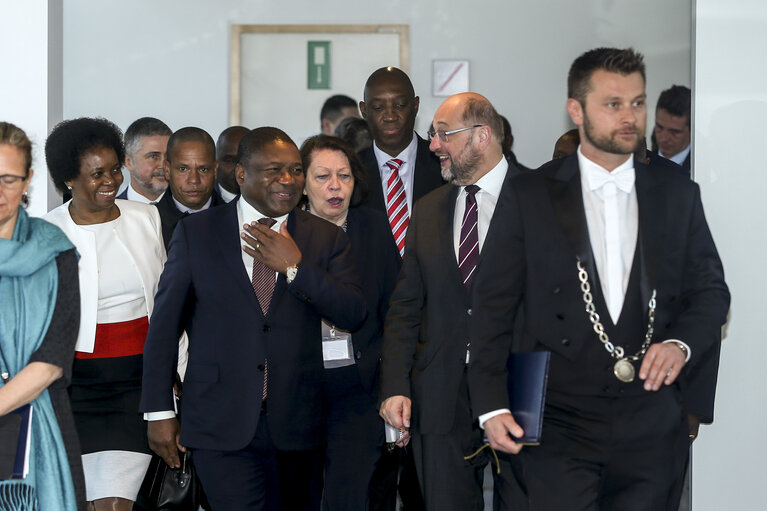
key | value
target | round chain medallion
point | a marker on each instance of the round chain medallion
(624, 370)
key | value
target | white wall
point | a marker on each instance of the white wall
(170, 59)
(730, 138)
(30, 88)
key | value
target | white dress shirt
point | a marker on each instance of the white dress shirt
(612, 217)
(406, 170)
(135, 196)
(225, 194)
(245, 215)
(487, 197)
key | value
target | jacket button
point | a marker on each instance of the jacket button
(267, 328)
(468, 311)
(565, 342)
(260, 367)
(556, 290)
(358, 355)
(561, 317)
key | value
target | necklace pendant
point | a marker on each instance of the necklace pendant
(624, 370)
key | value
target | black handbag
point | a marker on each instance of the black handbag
(170, 489)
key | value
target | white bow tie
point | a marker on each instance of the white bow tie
(623, 180)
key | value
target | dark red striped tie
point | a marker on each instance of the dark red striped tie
(263, 284)
(468, 250)
(396, 205)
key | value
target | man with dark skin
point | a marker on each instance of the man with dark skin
(226, 156)
(400, 170)
(399, 162)
(256, 338)
(190, 169)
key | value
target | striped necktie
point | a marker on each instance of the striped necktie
(468, 249)
(263, 284)
(396, 205)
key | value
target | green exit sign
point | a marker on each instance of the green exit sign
(319, 64)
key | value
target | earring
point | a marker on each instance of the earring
(25, 199)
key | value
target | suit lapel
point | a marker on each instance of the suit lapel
(376, 198)
(651, 233)
(567, 200)
(280, 286)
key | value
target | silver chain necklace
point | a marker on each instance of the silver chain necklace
(623, 368)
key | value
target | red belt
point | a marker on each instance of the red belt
(122, 339)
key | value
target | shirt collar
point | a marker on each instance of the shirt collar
(185, 209)
(593, 176)
(225, 194)
(247, 214)
(407, 155)
(492, 182)
(679, 157)
(135, 196)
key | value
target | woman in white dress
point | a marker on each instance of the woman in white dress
(121, 258)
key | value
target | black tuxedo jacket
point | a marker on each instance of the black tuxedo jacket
(432, 317)
(378, 263)
(677, 257)
(427, 176)
(170, 214)
(205, 290)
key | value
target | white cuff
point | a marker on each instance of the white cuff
(684, 346)
(158, 416)
(489, 415)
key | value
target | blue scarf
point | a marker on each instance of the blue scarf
(28, 286)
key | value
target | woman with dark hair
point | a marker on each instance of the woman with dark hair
(121, 258)
(335, 188)
(39, 317)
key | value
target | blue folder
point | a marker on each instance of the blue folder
(528, 374)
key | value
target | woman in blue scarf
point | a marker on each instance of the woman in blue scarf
(39, 321)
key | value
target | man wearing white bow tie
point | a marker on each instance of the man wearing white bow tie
(620, 279)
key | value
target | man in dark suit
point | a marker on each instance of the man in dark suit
(619, 278)
(226, 157)
(400, 167)
(190, 170)
(432, 381)
(146, 141)
(672, 125)
(255, 343)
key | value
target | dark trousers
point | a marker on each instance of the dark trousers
(395, 472)
(450, 482)
(258, 477)
(598, 453)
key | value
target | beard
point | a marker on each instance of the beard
(610, 144)
(461, 173)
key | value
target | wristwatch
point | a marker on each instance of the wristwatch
(291, 273)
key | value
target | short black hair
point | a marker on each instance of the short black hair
(142, 128)
(320, 142)
(70, 140)
(333, 106)
(190, 134)
(676, 101)
(256, 139)
(389, 73)
(355, 132)
(613, 60)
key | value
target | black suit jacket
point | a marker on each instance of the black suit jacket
(432, 317)
(427, 176)
(677, 257)
(378, 263)
(205, 290)
(170, 214)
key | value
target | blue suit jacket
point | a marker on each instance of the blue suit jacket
(206, 291)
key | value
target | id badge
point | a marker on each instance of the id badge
(337, 348)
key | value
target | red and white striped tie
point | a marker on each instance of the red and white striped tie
(396, 205)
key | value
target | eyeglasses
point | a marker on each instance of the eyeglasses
(442, 134)
(11, 182)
